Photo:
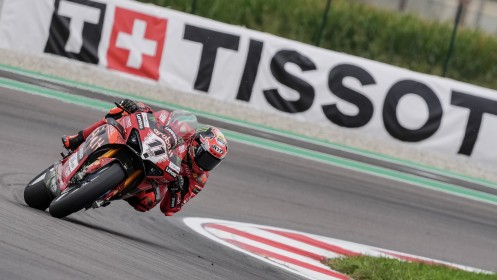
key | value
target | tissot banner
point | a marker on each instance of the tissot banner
(270, 73)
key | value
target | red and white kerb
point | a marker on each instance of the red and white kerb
(298, 252)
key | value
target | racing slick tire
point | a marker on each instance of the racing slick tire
(36, 194)
(93, 187)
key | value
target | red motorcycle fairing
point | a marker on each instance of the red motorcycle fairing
(69, 166)
(155, 147)
(156, 142)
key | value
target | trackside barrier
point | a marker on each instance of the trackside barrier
(235, 64)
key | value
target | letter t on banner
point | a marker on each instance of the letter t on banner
(78, 14)
(76, 29)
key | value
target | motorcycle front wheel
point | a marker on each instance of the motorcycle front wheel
(94, 186)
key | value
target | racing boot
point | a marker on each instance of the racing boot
(72, 142)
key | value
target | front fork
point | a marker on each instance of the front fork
(105, 200)
(106, 159)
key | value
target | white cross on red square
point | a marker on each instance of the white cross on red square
(136, 43)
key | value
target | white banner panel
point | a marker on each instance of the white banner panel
(270, 73)
(24, 25)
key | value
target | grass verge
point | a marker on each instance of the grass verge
(379, 268)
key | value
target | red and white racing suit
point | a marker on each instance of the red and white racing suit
(170, 195)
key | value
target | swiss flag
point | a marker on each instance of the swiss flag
(136, 43)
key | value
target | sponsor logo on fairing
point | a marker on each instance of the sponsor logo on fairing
(165, 137)
(173, 134)
(171, 172)
(139, 119)
(145, 120)
(174, 167)
(73, 162)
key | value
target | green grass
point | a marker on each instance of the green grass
(375, 268)
(399, 39)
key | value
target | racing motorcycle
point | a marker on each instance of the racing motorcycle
(111, 163)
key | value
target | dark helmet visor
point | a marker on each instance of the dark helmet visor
(205, 160)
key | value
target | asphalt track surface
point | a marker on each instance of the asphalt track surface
(272, 136)
(252, 185)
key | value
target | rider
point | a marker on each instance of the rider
(201, 152)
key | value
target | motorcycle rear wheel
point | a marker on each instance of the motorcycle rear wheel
(36, 194)
(97, 184)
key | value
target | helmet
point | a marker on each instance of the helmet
(208, 148)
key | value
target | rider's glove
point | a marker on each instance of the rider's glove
(177, 191)
(125, 105)
(177, 185)
(128, 105)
